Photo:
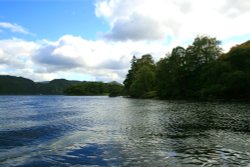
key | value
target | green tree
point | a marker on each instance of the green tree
(144, 82)
(141, 77)
(179, 75)
(170, 74)
(239, 57)
(238, 80)
(130, 76)
(115, 89)
(204, 50)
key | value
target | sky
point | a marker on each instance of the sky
(94, 40)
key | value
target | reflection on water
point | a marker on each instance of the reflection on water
(102, 131)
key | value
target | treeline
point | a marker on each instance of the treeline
(111, 89)
(200, 71)
(11, 85)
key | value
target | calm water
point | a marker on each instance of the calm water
(102, 131)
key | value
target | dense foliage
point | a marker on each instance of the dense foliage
(201, 71)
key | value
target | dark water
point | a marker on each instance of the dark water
(102, 131)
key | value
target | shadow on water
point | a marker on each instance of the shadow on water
(28, 136)
(89, 155)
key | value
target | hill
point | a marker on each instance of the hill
(54, 87)
(12, 85)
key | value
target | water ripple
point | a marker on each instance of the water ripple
(102, 131)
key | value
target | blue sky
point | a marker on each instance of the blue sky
(51, 19)
(96, 39)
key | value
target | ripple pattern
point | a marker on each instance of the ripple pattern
(101, 131)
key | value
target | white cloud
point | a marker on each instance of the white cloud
(102, 60)
(15, 57)
(127, 29)
(13, 27)
(178, 19)
(71, 56)
(16, 52)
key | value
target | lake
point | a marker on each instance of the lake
(102, 131)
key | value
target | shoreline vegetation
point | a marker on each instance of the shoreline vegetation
(199, 72)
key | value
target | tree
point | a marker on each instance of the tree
(170, 74)
(179, 75)
(204, 50)
(239, 57)
(141, 77)
(144, 82)
(131, 75)
(115, 89)
(238, 80)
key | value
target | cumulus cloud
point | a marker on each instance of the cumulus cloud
(75, 52)
(54, 59)
(73, 57)
(16, 52)
(100, 59)
(178, 19)
(122, 63)
(127, 29)
(13, 27)
(15, 58)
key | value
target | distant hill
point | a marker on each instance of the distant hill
(11, 85)
(54, 87)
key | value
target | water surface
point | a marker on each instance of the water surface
(102, 131)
